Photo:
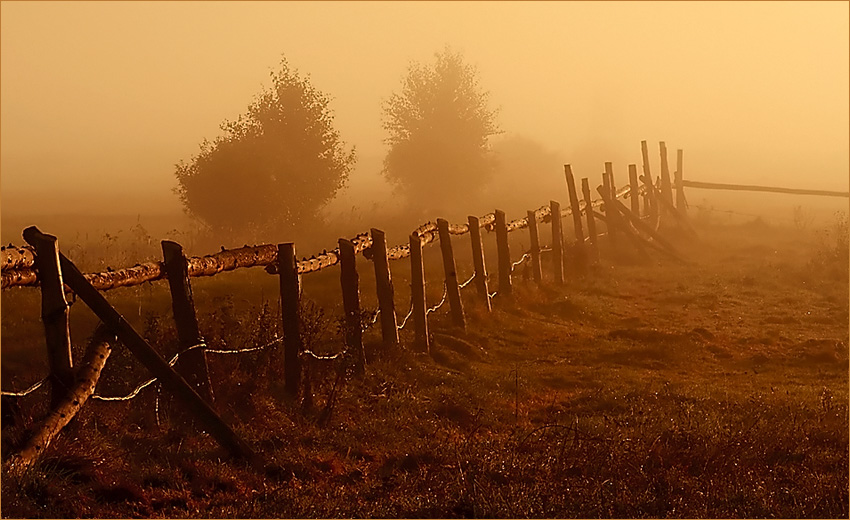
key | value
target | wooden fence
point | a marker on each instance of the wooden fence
(42, 264)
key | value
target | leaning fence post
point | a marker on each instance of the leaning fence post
(158, 367)
(557, 242)
(609, 169)
(54, 312)
(290, 308)
(504, 254)
(192, 365)
(449, 268)
(649, 197)
(581, 254)
(633, 189)
(536, 271)
(591, 222)
(351, 303)
(666, 188)
(384, 285)
(417, 294)
(480, 280)
(681, 203)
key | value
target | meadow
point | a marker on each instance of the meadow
(718, 388)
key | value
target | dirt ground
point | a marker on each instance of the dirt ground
(712, 388)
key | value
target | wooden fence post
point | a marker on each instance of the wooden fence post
(681, 203)
(351, 303)
(159, 367)
(417, 294)
(666, 187)
(290, 308)
(581, 253)
(384, 286)
(591, 222)
(54, 312)
(504, 254)
(610, 221)
(633, 189)
(557, 242)
(192, 365)
(609, 169)
(536, 271)
(480, 280)
(452, 290)
(649, 197)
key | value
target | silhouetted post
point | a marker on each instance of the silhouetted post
(591, 222)
(480, 279)
(609, 169)
(417, 294)
(290, 309)
(159, 368)
(633, 189)
(351, 303)
(681, 204)
(536, 271)
(504, 254)
(610, 214)
(557, 242)
(649, 199)
(666, 187)
(384, 285)
(452, 290)
(54, 312)
(581, 254)
(192, 365)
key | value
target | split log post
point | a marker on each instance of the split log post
(681, 203)
(557, 242)
(480, 279)
(54, 312)
(351, 303)
(504, 254)
(633, 189)
(611, 220)
(72, 401)
(192, 365)
(450, 270)
(417, 294)
(591, 222)
(609, 169)
(666, 186)
(581, 253)
(536, 270)
(649, 197)
(159, 367)
(384, 286)
(290, 310)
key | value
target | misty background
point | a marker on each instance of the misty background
(100, 100)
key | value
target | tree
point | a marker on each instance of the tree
(438, 126)
(274, 168)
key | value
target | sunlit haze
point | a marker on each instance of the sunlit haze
(100, 100)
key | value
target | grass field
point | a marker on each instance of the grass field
(714, 389)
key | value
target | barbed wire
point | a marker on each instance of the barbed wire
(409, 314)
(434, 309)
(469, 281)
(28, 391)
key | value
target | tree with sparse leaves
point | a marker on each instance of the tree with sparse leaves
(274, 168)
(438, 126)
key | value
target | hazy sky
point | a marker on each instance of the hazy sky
(104, 98)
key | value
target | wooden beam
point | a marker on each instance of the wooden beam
(557, 242)
(384, 287)
(581, 253)
(480, 280)
(417, 294)
(450, 270)
(769, 189)
(351, 304)
(54, 312)
(591, 222)
(290, 314)
(536, 271)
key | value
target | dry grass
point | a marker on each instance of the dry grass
(718, 389)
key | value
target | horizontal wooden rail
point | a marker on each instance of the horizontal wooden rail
(772, 189)
(17, 262)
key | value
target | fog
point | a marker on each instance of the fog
(100, 100)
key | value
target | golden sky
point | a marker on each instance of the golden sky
(105, 97)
